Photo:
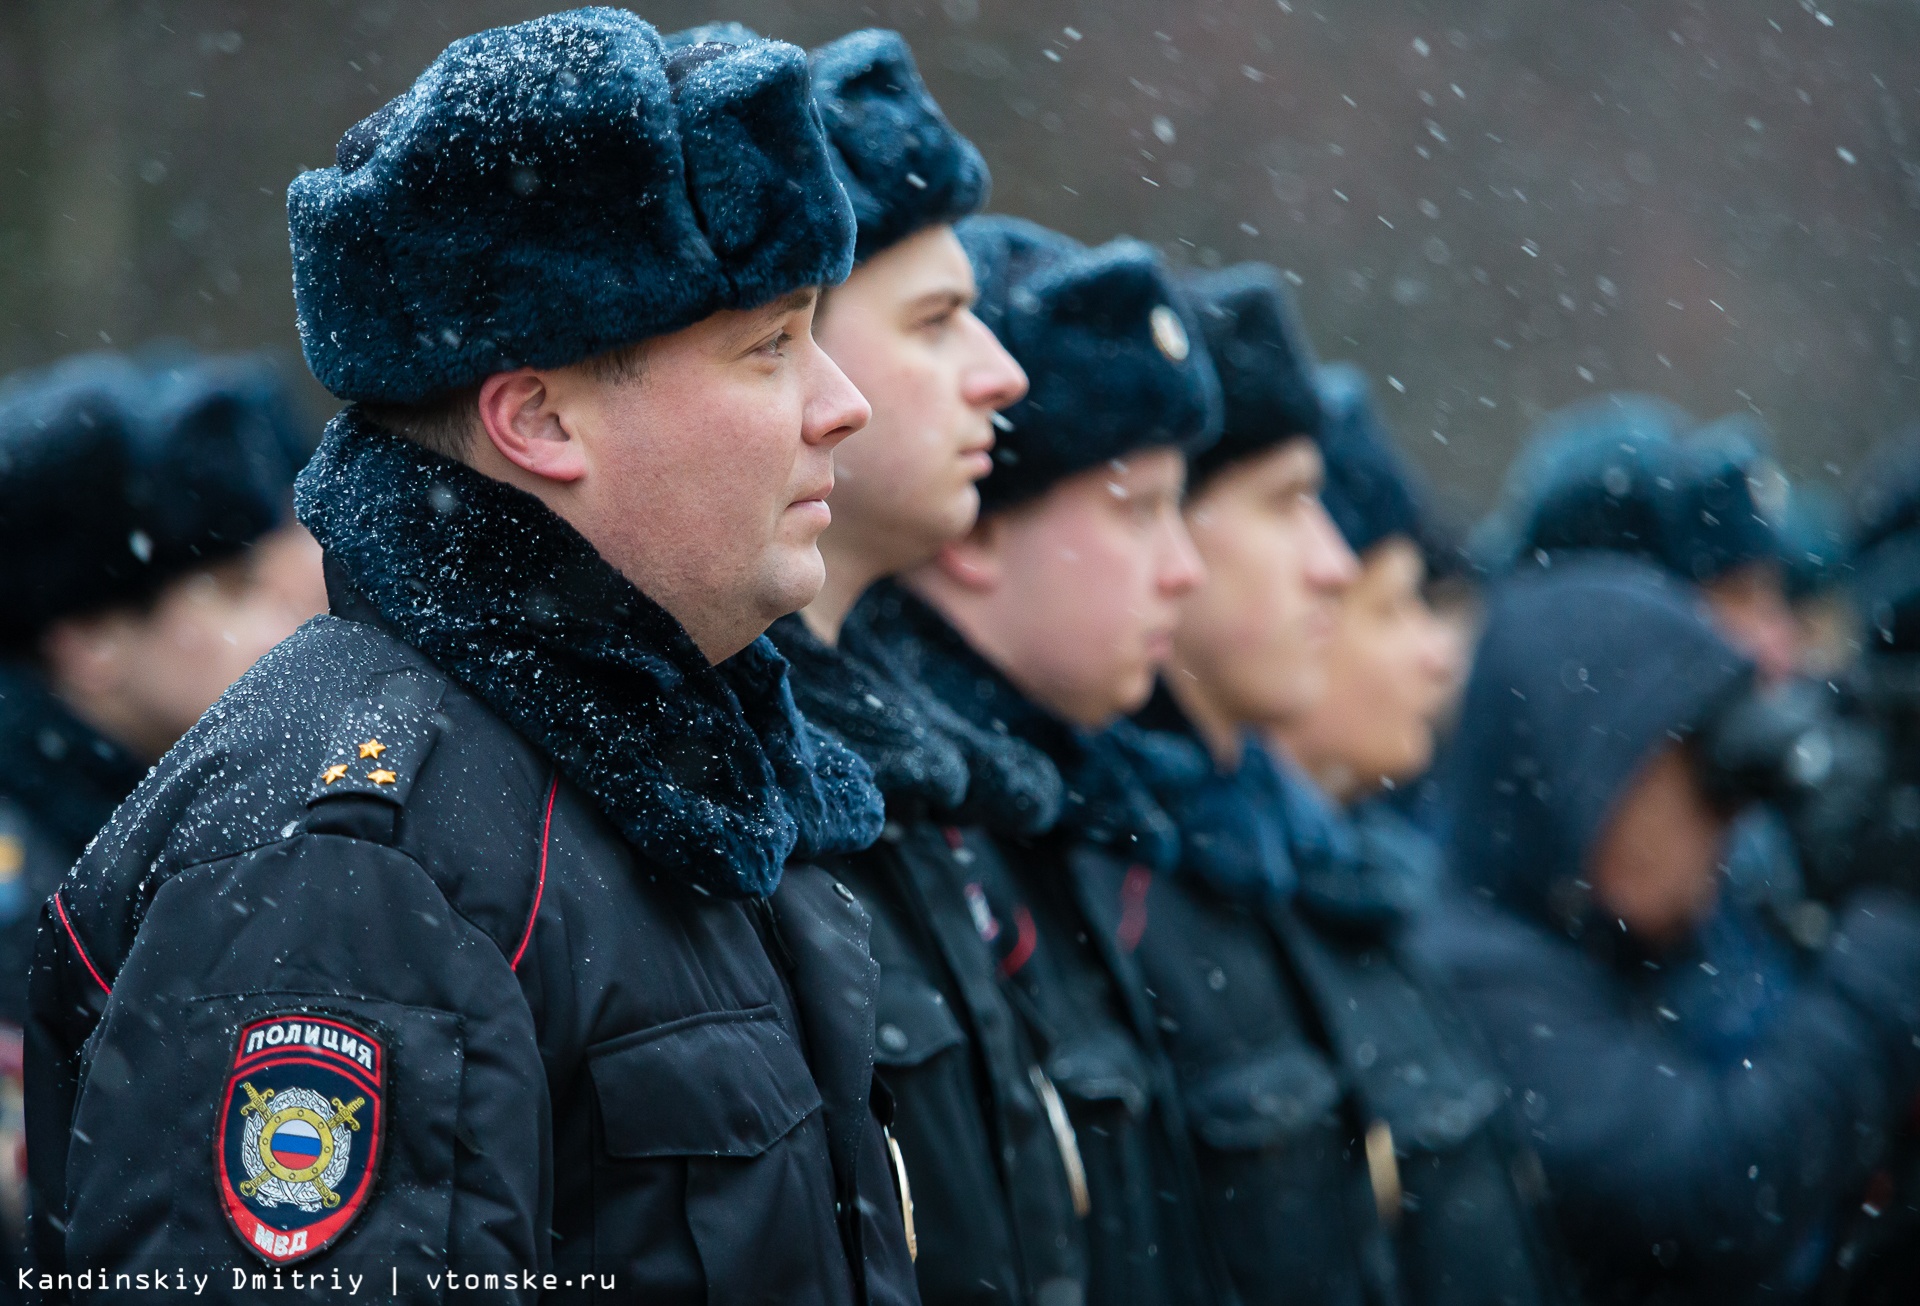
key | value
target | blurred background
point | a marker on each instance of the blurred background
(1496, 207)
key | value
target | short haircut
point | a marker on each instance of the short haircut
(447, 422)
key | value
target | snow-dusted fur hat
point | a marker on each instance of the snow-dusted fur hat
(552, 190)
(1113, 353)
(903, 165)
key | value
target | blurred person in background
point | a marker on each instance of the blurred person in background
(1816, 535)
(1046, 623)
(993, 1173)
(1877, 578)
(150, 556)
(1629, 474)
(1587, 829)
(1353, 1143)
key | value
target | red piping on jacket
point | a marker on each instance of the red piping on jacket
(1133, 907)
(540, 887)
(61, 908)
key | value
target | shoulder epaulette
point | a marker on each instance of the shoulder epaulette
(380, 742)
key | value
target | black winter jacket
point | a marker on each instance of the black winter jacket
(1049, 904)
(469, 890)
(991, 1156)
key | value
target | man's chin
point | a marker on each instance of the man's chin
(793, 582)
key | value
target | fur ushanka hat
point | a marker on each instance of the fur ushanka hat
(903, 165)
(552, 190)
(1264, 361)
(1112, 350)
(118, 475)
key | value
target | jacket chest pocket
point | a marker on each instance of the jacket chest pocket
(710, 1128)
(1271, 1099)
(914, 1022)
(732, 1084)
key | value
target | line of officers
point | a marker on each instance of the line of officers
(1198, 981)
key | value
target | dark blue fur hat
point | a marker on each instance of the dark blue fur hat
(1369, 491)
(552, 190)
(1264, 359)
(1729, 504)
(117, 476)
(1628, 473)
(1112, 350)
(903, 165)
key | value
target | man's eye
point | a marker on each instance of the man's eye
(777, 345)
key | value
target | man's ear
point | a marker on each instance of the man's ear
(976, 561)
(528, 428)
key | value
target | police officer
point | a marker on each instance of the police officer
(1470, 1225)
(456, 937)
(150, 558)
(1045, 624)
(993, 1188)
(1328, 1088)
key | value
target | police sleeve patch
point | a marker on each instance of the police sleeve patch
(299, 1135)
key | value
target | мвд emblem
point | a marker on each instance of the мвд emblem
(299, 1135)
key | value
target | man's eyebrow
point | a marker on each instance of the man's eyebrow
(791, 302)
(753, 321)
(944, 296)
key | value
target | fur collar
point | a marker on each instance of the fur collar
(1106, 800)
(920, 750)
(710, 771)
(67, 775)
(1265, 833)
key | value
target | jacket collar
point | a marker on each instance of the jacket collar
(1105, 801)
(1263, 832)
(710, 772)
(921, 751)
(65, 773)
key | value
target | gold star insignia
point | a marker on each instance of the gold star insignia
(372, 748)
(382, 777)
(338, 771)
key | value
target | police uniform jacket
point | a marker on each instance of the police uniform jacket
(998, 1192)
(449, 940)
(1042, 900)
(1356, 1145)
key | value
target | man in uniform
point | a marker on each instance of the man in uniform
(1045, 624)
(455, 940)
(986, 1142)
(150, 557)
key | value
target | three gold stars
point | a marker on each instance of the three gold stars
(379, 775)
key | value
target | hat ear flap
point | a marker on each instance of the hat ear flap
(756, 165)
